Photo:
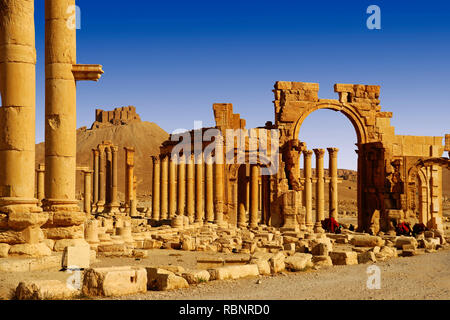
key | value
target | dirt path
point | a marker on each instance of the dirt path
(420, 277)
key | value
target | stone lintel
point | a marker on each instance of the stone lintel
(87, 72)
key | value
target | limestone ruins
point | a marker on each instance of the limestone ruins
(223, 195)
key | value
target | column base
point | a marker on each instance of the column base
(318, 228)
(65, 222)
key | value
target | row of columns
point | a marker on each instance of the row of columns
(188, 185)
(105, 178)
(320, 187)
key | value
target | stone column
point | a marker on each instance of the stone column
(108, 177)
(60, 110)
(219, 182)
(101, 180)
(209, 202)
(173, 186)
(190, 185)
(320, 190)
(17, 115)
(254, 184)
(199, 213)
(87, 191)
(114, 202)
(333, 189)
(308, 188)
(156, 189)
(181, 200)
(40, 182)
(164, 186)
(129, 176)
(96, 175)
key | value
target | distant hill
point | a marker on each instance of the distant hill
(145, 137)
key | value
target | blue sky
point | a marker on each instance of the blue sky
(174, 59)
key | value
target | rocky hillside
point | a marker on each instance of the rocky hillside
(145, 137)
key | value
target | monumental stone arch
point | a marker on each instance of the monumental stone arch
(383, 156)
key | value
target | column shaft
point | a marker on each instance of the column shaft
(114, 201)
(199, 213)
(181, 200)
(156, 189)
(101, 180)
(96, 175)
(87, 191)
(190, 194)
(308, 188)
(333, 189)
(320, 190)
(218, 190)
(40, 183)
(172, 186)
(254, 186)
(164, 185)
(17, 113)
(209, 207)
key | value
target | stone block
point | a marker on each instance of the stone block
(277, 262)
(366, 257)
(234, 272)
(60, 245)
(320, 249)
(76, 257)
(44, 290)
(114, 281)
(263, 266)
(401, 241)
(367, 241)
(298, 262)
(344, 258)
(196, 276)
(322, 261)
(30, 250)
(161, 280)
(4, 250)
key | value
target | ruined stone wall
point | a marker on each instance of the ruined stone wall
(118, 116)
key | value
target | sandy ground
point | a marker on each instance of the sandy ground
(425, 276)
(421, 277)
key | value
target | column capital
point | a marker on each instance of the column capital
(95, 151)
(308, 153)
(333, 151)
(155, 159)
(319, 152)
(114, 149)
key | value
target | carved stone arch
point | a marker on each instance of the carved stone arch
(348, 111)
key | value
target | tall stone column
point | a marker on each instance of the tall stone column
(108, 177)
(199, 213)
(101, 179)
(61, 74)
(164, 186)
(114, 158)
(60, 110)
(17, 115)
(320, 190)
(181, 200)
(156, 189)
(333, 189)
(129, 176)
(219, 183)
(96, 176)
(254, 186)
(190, 186)
(209, 200)
(173, 186)
(308, 188)
(87, 191)
(40, 182)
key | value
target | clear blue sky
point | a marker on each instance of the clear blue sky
(174, 59)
